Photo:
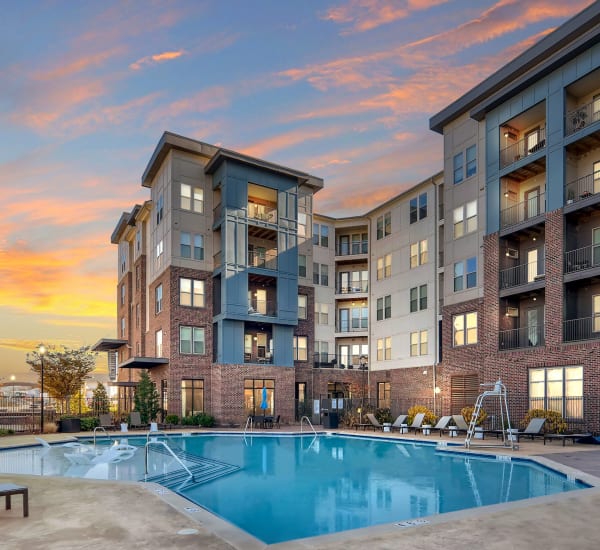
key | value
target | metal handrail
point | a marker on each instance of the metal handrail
(100, 428)
(250, 421)
(309, 423)
(156, 442)
(154, 433)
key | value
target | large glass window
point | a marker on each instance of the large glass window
(384, 395)
(557, 389)
(192, 397)
(192, 198)
(259, 396)
(300, 348)
(464, 329)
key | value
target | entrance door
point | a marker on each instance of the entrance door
(532, 203)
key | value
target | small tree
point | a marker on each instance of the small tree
(65, 370)
(146, 399)
(100, 401)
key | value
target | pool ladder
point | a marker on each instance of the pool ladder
(150, 442)
(308, 422)
(100, 429)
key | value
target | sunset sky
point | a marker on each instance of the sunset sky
(342, 89)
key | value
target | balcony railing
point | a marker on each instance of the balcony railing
(586, 328)
(325, 361)
(357, 288)
(532, 207)
(582, 188)
(582, 258)
(262, 212)
(256, 358)
(355, 327)
(351, 249)
(262, 307)
(520, 274)
(266, 260)
(522, 148)
(582, 116)
(524, 337)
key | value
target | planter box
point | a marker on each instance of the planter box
(69, 425)
(387, 426)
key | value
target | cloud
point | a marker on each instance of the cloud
(156, 58)
(366, 15)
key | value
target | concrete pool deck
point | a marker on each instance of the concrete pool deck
(70, 513)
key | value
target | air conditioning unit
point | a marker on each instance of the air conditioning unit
(512, 253)
(512, 311)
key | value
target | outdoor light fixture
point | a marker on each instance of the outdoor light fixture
(510, 133)
(41, 353)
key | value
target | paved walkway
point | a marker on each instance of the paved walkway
(68, 513)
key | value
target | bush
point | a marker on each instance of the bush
(555, 423)
(467, 413)
(88, 423)
(6, 432)
(383, 415)
(206, 420)
(429, 418)
(172, 419)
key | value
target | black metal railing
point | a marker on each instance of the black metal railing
(524, 337)
(360, 326)
(260, 358)
(352, 249)
(585, 328)
(520, 275)
(582, 188)
(580, 117)
(324, 360)
(582, 258)
(525, 210)
(262, 307)
(355, 288)
(522, 148)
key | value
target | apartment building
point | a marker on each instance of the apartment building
(522, 165)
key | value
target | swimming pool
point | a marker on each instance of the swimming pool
(285, 487)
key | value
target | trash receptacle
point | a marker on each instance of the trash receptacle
(330, 420)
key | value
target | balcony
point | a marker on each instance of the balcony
(581, 116)
(325, 361)
(582, 188)
(360, 287)
(262, 212)
(343, 328)
(524, 211)
(267, 358)
(586, 328)
(532, 143)
(519, 338)
(352, 249)
(523, 274)
(262, 307)
(265, 259)
(582, 259)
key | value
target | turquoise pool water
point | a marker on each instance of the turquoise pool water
(280, 488)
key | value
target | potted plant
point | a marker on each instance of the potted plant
(578, 119)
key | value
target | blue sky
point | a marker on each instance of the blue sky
(340, 89)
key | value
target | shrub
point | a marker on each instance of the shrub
(429, 418)
(555, 423)
(383, 415)
(467, 413)
(6, 432)
(88, 423)
(172, 419)
(206, 420)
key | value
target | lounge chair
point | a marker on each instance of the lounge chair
(106, 421)
(417, 422)
(374, 422)
(135, 420)
(397, 424)
(460, 423)
(533, 429)
(442, 424)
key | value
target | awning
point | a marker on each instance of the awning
(144, 362)
(108, 344)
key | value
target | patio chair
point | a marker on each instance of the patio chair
(374, 422)
(397, 424)
(417, 422)
(460, 423)
(135, 420)
(106, 421)
(442, 424)
(533, 429)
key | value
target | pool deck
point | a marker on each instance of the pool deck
(67, 513)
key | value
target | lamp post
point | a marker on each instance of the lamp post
(41, 353)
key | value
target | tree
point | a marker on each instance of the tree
(65, 370)
(146, 399)
(100, 401)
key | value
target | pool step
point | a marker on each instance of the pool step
(203, 470)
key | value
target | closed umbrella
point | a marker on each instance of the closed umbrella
(263, 404)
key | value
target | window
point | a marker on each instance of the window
(159, 253)
(384, 395)
(302, 301)
(418, 298)
(322, 353)
(321, 274)
(418, 253)
(325, 236)
(464, 329)
(191, 340)
(384, 308)
(470, 268)
(137, 315)
(471, 155)
(191, 292)
(384, 348)
(321, 235)
(465, 219)
(192, 397)
(418, 343)
(384, 225)
(138, 277)
(316, 228)
(301, 265)
(596, 313)
(254, 395)
(123, 257)
(122, 295)
(186, 245)
(158, 338)
(360, 243)
(301, 224)
(192, 198)
(198, 247)
(138, 241)
(322, 314)
(458, 168)
(418, 208)
(300, 348)
(123, 333)
(158, 298)
(384, 267)
(159, 208)
(557, 389)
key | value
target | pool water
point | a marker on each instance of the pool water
(280, 488)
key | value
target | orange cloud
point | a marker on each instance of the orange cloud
(156, 58)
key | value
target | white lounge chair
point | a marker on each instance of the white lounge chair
(417, 422)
